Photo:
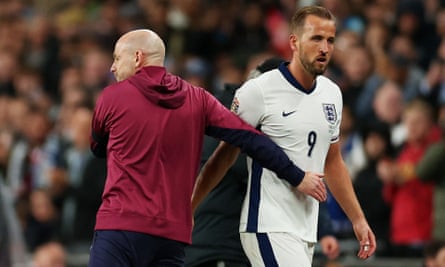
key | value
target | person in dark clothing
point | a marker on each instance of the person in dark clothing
(4, 235)
(88, 198)
(330, 247)
(150, 126)
(86, 178)
(369, 187)
(215, 237)
(42, 221)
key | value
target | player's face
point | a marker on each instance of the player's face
(315, 44)
(123, 62)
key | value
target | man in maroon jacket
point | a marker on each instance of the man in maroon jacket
(150, 125)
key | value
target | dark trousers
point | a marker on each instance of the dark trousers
(131, 249)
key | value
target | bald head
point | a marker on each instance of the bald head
(146, 41)
(137, 49)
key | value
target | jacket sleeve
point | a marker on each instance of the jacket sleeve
(432, 162)
(227, 126)
(99, 134)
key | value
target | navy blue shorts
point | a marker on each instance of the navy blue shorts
(131, 249)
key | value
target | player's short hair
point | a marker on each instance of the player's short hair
(299, 18)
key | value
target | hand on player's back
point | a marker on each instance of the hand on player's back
(313, 186)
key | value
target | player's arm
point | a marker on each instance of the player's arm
(268, 155)
(339, 182)
(213, 171)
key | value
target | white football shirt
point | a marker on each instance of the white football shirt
(304, 124)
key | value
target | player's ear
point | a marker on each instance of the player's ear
(293, 41)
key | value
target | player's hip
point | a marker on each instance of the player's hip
(277, 249)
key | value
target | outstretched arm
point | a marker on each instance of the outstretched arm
(228, 127)
(339, 182)
(223, 158)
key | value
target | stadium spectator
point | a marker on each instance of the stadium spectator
(432, 168)
(85, 182)
(368, 186)
(410, 199)
(50, 254)
(387, 107)
(41, 223)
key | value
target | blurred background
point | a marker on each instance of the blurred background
(55, 57)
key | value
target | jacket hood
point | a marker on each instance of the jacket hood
(159, 86)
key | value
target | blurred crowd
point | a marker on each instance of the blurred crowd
(55, 57)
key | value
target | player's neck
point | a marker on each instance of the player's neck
(305, 79)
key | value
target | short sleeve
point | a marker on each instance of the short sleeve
(338, 109)
(248, 103)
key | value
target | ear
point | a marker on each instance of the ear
(293, 41)
(139, 59)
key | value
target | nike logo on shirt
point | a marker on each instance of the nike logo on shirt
(285, 114)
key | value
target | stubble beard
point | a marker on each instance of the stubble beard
(311, 68)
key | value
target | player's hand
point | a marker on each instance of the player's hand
(366, 238)
(330, 247)
(313, 186)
